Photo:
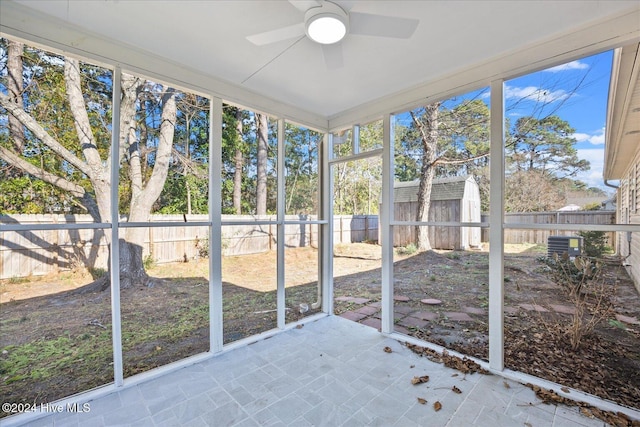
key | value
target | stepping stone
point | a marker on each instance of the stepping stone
(353, 316)
(534, 307)
(627, 319)
(376, 304)
(403, 309)
(474, 310)
(425, 315)
(401, 298)
(510, 310)
(413, 322)
(458, 317)
(343, 299)
(367, 310)
(374, 323)
(431, 301)
(565, 309)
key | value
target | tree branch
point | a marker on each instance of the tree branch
(74, 189)
(40, 133)
(81, 118)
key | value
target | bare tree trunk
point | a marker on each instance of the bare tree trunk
(261, 184)
(239, 161)
(428, 127)
(14, 86)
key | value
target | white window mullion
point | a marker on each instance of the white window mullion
(386, 230)
(216, 329)
(280, 215)
(496, 230)
(114, 262)
(326, 230)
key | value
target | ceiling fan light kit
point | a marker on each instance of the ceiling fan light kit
(326, 24)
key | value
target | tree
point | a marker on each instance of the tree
(546, 145)
(301, 170)
(239, 161)
(427, 125)
(262, 140)
(81, 150)
(532, 191)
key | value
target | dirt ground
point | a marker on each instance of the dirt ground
(55, 342)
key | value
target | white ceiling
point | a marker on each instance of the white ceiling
(209, 38)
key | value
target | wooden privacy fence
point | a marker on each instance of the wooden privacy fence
(39, 252)
(559, 218)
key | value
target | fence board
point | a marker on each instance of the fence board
(513, 236)
(39, 252)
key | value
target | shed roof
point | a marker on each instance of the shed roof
(450, 188)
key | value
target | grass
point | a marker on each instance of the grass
(47, 358)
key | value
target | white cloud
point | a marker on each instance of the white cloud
(596, 138)
(536, 94)
(594, 176)
(573, 65)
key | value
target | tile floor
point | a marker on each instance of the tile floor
(331, 372)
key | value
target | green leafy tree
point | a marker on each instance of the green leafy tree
(66, 114)
(545, 145)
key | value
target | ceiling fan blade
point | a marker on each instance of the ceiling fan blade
(273, 36)
(304, 5)
(333, 57)
(368, 24)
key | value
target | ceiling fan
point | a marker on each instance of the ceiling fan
(327, 23)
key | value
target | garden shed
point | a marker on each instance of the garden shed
(453, 199)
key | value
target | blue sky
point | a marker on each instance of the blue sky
(577, 92)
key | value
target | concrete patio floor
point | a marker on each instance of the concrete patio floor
(330, 372)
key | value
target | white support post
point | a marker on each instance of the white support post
(280, 215)
(216, 330)
(114, 262)
(386, 234)
(496, 230)
(326, 235)
(355, 140)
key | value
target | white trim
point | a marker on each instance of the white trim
(386, 230)
(326, 247)
(114, 256)
(216, 332)
(280, 211)
(496, 232)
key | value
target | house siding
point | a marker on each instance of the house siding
(629, 213)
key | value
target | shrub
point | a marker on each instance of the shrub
(595, 243)
(410, 249)
(584, 284)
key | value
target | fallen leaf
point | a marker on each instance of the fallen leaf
(422, 401)
(412, 366)
(565, 389)
(387, 350)
(437, 406)
(456, 390)
(420, 380)
(528, 425)
(506, 384)
(454, 375)
(586, 412)
(299, 326)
